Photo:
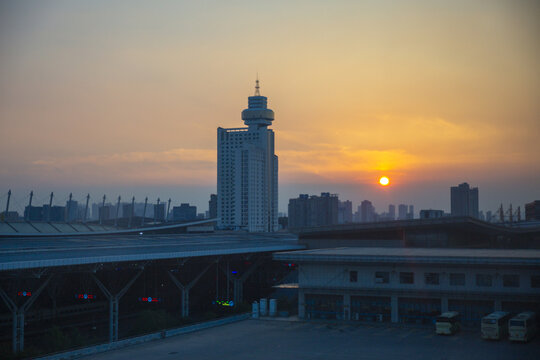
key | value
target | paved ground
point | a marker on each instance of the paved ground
(264, 339)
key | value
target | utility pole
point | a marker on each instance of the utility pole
(144, 211)
(27, 218)
(50, 207)
(102, 211)
(86, 208)
(156, 211)
(69, 208)
(7, 205)
(132, 210)
(117, 210)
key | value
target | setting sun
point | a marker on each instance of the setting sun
(384, 181)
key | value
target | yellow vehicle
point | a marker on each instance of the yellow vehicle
(522, 327)
(495, 325)
(447, 323)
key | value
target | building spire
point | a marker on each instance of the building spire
(257, 87)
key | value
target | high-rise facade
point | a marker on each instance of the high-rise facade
(345, 215)
(248, 171)
(309, 211)
(392, 212)
(402, 212)
(367, 211)
(464, 200)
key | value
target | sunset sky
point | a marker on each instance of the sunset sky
(124, 97)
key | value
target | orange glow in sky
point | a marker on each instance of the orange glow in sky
(103, 94)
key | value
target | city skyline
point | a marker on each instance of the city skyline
(107, 98)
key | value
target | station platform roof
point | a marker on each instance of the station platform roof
(38, 252)
(55, 229)
(520, 257)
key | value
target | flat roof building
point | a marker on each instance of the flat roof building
(312, 211)
(532, 210)
(464, 200)
(414, 284)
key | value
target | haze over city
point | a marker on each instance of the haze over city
(100, 97)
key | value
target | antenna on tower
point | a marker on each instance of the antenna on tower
(257, 87)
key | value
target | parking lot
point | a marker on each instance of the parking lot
(274, 339)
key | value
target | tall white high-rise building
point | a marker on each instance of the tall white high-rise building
(248, 171)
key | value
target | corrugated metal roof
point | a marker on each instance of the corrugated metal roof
(529, 257)
(24, 253)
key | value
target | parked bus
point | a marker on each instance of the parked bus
(522, 327)
(447, 323)
(495, 325)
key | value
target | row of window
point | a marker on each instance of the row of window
(455, 279)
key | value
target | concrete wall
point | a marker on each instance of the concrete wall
(337, 276)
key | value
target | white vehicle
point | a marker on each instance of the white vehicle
(495, 325)
(447, 323)
(522, 327)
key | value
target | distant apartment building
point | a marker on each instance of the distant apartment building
(128, 210)
(345, 214)
(402, 212)
(431, 214)
(33, 213)
(9, 216)
(367, 211)
(308, 211)
(72, 209)
(464, 200)
(391, 212)
(104, 212)
(532, 210)
(212, 206)
(54, 213)
(410, 214)
(159, 212)
(184, 212)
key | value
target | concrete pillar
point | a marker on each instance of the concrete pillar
(113, 319)
(347, 307)
(116, 319)
(185, 302)
(114, 300)
(238, 290)
(184, 289)
(18, 331)
(18, 315)
(301, 304)
(497, 305)
(394, 309)
(444, 304)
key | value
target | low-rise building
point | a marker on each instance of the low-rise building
(414, 284)
(431, 214)
(532, 210)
